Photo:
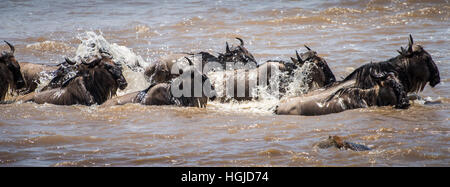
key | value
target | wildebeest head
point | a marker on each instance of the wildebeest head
(312, 57)
(158, 72)
(390, 90)
(236, 54)
(107, 64)
(8, 59)
(195, 85)
(421, 67)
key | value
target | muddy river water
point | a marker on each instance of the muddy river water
(346, 33)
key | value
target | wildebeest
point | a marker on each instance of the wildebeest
(94, 83)
(236, 54)
(68, 68)
(324, 76)
(10, 76)
(318, 74)
(387, 91)
(166, 93)
(413, 66)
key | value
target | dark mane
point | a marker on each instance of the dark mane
(365, 81)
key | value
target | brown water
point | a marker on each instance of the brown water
(346, 33)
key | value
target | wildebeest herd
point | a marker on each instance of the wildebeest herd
(96, 80)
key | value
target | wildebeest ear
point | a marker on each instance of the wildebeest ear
(10, 46)
(227, 48)
(242, 41)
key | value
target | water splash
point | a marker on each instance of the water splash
(133, 65)
(91, 43)
(301, 79)
(265, 97)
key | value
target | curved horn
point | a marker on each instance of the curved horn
(410, 43)
(307, 48)
(242, 41)
(10, 46)
(298, 57)
(189, 60)
(69, 61)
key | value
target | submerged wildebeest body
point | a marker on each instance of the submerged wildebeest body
(240, 84)
(94, 83)
(10, 76)
(169, 93)
(388, 91)
(155, 94)
(338, 142)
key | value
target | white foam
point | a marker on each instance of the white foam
(266, 99)
(133, 65)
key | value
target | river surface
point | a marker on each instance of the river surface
(346, 33)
